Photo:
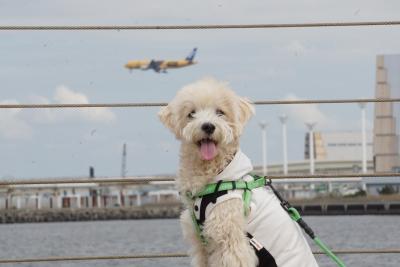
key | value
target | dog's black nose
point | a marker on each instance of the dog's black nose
(208, 128)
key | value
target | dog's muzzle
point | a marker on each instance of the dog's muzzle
(208, 128)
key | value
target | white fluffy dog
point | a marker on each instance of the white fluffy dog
(208, 118)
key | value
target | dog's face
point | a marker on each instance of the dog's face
(207, 115)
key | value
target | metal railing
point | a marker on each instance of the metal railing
(135, 180)
(160, 104)
(170, 255)
(150, 179)
(194, 27)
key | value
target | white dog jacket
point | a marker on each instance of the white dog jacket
(276, 238)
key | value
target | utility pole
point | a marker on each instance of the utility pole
(283, 119)
(364, 143)
(123, 164)
(121, 197)
(263, 126)
(363, 138)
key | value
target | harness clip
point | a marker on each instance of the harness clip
(286, 205)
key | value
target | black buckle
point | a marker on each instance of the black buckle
(286, 205)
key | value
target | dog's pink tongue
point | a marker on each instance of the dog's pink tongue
(208, 150)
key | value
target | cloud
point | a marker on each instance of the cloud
(64, 95)
(309, 113)
(12, 126)
(42, 115)
(342, 120)
(18, 124)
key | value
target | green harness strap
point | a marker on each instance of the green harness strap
(247, 187)
(222, 186)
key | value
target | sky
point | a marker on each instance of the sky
(261, 64)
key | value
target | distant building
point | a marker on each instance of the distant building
(85, 195)
(335, 153)
(387, 115)
(333, 167)
(338, 146)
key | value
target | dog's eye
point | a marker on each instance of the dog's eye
(219, 112)
(191, 114)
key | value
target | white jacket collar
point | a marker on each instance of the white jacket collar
(236, 169)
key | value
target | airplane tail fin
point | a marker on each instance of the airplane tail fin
(192, 54)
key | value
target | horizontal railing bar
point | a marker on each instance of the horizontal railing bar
(171, 255)
(326, 101)
(159, 104)
(72, 105)
(194, 27)
(144, 180)
(91, 258)
(126, 180)
(350, 175)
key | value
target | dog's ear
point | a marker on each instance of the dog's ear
(166, 117)
(246, 110)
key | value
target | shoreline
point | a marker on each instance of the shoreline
(92, 214)
(316, 207)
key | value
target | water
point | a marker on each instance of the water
(164, 236)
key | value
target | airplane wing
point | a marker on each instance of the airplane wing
(155, 65)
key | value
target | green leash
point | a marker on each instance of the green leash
(247, 187)
(295, 215)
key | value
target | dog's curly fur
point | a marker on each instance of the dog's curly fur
(210, 101)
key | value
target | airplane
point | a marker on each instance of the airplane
(162, 65)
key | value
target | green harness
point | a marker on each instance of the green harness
(247, 187)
